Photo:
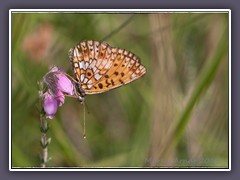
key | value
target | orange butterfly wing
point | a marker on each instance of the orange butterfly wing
(100, 67)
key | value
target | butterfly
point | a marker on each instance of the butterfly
(99, 67)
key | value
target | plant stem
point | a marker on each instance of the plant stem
(43, 128)
(44, 140)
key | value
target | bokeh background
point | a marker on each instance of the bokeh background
(175, 116)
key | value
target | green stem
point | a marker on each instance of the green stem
(205, 78)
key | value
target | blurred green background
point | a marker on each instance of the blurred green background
(175, 116)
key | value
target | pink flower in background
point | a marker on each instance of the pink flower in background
(58, 85)
(37, 43)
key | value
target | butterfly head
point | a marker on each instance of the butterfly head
(81, 99)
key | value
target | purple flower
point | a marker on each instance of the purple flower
(64, 84)
(58, 85)
(60, 98)
(50, 105)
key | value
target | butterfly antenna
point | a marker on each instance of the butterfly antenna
(87, 108)
(84, 122)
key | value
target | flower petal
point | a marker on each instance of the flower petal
(50, 105)
(64, 84)
(54, 69)
(60, 98)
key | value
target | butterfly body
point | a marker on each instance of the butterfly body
(98, 67)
